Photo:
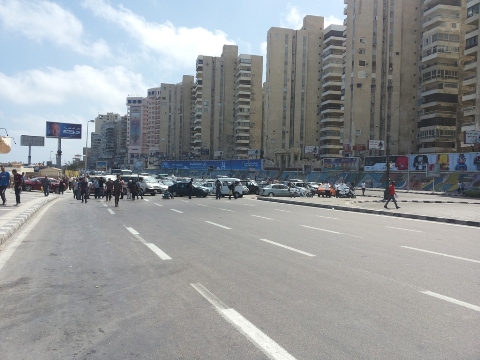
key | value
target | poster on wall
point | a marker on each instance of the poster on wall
(379, 163)
(341, 164)
(135, 131)
(472, 137)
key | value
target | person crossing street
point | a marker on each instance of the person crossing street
(391, 195)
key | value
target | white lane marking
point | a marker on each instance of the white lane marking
(158, 252)
(248, 205)
(288, 247)
(209, 222)
(178, 211)
(436, 253)
(111, 211)
(7, 253)
(327, 217)
(262, 217)
(6, 209)
(152, 247)
(269, 347)
(330, 231)
(104, 205)
(452, 300)
(184, 200)
(145, 200)
(227, 210)
(132, 231)
(158, 204)
(283, 210)
(396, 228)
(201, 205)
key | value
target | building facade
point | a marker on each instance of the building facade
(292, 91)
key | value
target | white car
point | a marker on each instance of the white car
(150, 185)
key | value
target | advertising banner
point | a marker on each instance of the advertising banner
(341, 164)
(253, 152)
(63, 130)
(376, 144)
(135, 130)
(378, 163)
(101, 166)
(311, 150)
(246, 165)
(472, 137)
(26, 140)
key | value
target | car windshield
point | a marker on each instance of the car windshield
(149, 179)
(167, 182)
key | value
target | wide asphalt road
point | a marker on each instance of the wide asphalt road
(239, 279)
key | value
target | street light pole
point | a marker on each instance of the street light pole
(387, 171)
(86, 146)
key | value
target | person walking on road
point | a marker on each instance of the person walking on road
(75, 189)
(218, 189)
(96, 185)
(84, 189)
(139, 189)
(5, 182)
(363, 188)
(46, 186)
(190, 188)
(392, 194)
(117, 189)
(17, 184)
(108, 192)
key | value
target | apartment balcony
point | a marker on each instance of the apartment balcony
(245, 86)
(335, 147)
(333, 66)
(241, 72)
(470, 96)
(471, 80)
(241, 126)
(334, 74)
(334, 48)
(471, 65)
(242, 142)
(441, 9)
(197, 121)
(345, 10)
(437, 20)
(332, 121)
(439, 56)
(437, 113)
(333, 56)
(345, 22)
(332, 83)
(439, 89)
(331, 94)
(197, 128)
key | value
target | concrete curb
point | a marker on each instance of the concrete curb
(376, 212)
(13, 225)
(419, 201)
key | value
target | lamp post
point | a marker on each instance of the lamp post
(387, 171)
(86, 146)
(51, 155)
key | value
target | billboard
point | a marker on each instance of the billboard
(101, 166)
(135, 131)
(472, 137)
(63, 130)
(341, 164)
(376, 144)
(27, 140)
(311, 150)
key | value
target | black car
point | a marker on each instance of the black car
(181, 189)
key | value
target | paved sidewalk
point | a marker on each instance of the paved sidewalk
(413, 205)
(13, 217)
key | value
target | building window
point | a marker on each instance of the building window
(361, 63)
(362, 40)
(361, 51)
(473, 41)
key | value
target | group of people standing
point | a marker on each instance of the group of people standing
(6, 182)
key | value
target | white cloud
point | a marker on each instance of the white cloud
(332, 20)
(46, 21)
(175, 46)
(293, 19)
(106, 87)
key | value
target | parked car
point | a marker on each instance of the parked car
(150, 185)
(37, 183)
(252, 186)
(181, 189)
(275, 190)
(210, 185)
(240, 189)
(321, 191)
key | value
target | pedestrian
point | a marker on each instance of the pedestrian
(46, 185)
(75, 189)
(190, 188)
(139, 189)
(101, 185)
(96, 185)
(17, 184)
(5, 182)
(218, 189)
(459, 187)
(108, 193)
(23, 181)
(128, 187)
(117, 189)
(231, 191)
(133, 189)
(363, 188)
(84, 189)
(327, 190)
(392, 194)
(462, 187)
(61, 186)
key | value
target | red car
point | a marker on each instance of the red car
(37, 183)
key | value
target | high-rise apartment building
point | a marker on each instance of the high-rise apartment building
(471, 79)
(137, 129)
(293, 91)
(380, 81)
(227, 105)
(331, 107)
(440, 117)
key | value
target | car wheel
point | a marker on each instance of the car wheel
(57, 190)
(28, 188)
(258, 192)
(270, 194)
(153, 194)
(174, 193)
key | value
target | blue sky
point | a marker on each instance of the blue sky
(68, 61)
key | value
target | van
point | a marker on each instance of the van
(240, 190)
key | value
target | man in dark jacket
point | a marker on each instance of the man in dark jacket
(83, 186)
(117, 189)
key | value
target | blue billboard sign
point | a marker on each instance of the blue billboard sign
(63, 130)
(248, 165)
